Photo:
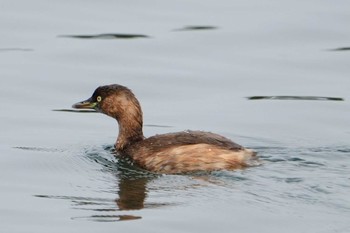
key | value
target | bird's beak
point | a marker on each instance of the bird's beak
(86, 104)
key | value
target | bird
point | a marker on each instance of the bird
(171, 153)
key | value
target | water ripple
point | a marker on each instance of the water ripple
(107, 36)
(196, 28)
(297, 176)
(276, 97)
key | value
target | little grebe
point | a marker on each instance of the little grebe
(170, 153)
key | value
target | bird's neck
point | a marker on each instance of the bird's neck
(130, 128)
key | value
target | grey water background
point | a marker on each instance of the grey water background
(192, 64)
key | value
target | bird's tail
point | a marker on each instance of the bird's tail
(251, 158)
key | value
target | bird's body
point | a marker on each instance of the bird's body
(180, 152)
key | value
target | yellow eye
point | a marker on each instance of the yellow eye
(99, 98)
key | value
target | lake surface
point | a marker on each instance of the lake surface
(257, 72)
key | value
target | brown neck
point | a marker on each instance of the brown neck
(125, 108)
(130, 129)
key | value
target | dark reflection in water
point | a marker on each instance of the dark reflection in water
(158, 126)
(341, 49)
(285, 97)
(85, 202)
(16, 49)
(93, 111)
(108, 218)
(75, 111)
(196, 28)
(107, 36)
(39, 149)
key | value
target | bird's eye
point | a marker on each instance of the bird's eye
(99, 98)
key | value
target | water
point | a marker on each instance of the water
(193, 65)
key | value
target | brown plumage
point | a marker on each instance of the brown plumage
(170, 153)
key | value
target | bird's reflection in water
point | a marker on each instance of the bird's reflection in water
(130, 190)
(132, 194)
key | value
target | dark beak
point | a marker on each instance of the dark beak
(86, 104)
